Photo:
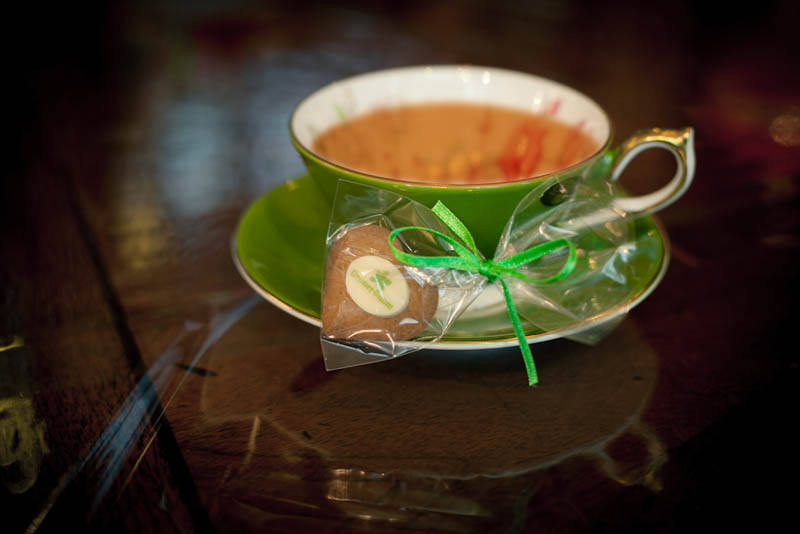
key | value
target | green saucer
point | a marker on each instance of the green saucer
(279, 249)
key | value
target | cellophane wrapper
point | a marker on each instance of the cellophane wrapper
(576, 307)
(356, 206)
(594, 298)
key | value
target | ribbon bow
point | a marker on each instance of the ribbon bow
(468, 259)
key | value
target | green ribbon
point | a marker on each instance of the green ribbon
(468, 259)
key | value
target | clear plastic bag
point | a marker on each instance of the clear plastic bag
(380, 303)
(582, 212)
(361, 220)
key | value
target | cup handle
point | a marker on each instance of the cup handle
(681, 144)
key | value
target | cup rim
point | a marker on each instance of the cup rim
(309, 152)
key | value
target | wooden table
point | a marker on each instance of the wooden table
(144, 386)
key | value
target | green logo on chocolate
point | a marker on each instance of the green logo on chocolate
(382, 281)
(377, 286)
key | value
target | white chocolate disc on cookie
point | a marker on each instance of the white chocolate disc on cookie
(377, 286)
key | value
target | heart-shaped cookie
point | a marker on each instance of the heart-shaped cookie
(368, 294)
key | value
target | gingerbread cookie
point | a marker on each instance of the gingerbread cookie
(369, 295)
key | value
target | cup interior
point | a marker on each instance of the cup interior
(351, 97)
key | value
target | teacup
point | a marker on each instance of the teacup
(483, 207)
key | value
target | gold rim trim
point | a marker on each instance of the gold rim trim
(676, 141)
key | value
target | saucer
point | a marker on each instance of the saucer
(279, 249)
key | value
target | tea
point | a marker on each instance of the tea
(454, 143)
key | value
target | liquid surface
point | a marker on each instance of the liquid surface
(454, 143)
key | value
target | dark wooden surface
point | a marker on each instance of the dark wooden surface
(145, 388)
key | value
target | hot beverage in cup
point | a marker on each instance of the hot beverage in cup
(454, 143)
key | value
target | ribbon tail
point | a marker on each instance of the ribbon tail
(527, 356)
(454, 223)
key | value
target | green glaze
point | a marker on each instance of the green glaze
(280, 243)
(484, 209)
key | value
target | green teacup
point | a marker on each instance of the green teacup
(484, 208)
